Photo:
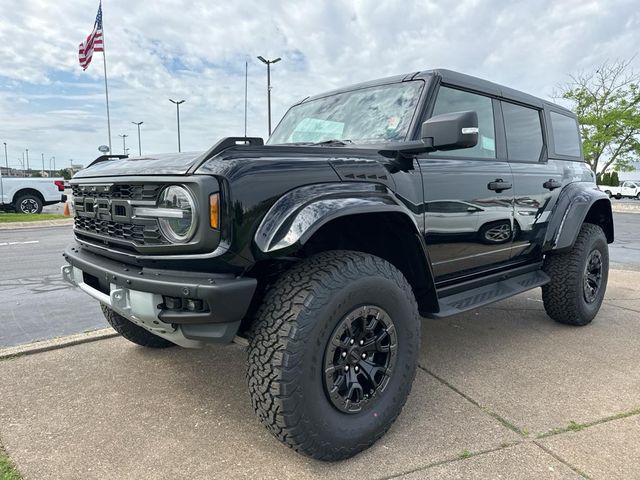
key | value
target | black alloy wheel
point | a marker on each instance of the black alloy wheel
(359, 359)
(592, 276)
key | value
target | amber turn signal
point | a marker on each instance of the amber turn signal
(214, 210)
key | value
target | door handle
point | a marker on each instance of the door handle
(499, 185)
(551, 184)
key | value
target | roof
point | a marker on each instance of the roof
(457, 78)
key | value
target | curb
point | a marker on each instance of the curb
(624, 208)
(37, 224)
(56, 343)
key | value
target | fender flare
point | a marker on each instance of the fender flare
(300, 213)
(574, 204)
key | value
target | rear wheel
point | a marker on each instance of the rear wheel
(28, 203)
(133, 332)
(618, 196)
(334, 353)
(578, 278)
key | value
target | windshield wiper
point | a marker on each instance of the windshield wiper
(334, 141)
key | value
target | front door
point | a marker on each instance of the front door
(468, 194)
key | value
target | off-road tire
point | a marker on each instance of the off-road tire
(133, 332)
(286, 352)
(563, 296)
(32, 200)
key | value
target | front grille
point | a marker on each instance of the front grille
(105, 211)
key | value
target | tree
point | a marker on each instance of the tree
(615, 181)
(607, 103)
(606, 178)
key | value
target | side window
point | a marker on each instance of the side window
(450, 100)
(524, 132)
(565, 135)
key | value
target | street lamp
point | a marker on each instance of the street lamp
(139, 144)
(28, 168)
(124, 143)
(268, 64)
(6, 159)
(178, 102)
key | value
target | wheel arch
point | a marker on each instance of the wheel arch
(350, 216)
(578, 203)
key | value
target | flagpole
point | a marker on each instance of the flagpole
(246, 69)
(106, 87)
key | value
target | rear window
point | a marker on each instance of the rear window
(524, 132)
(565, 135)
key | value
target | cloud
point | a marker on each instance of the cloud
(196, 50)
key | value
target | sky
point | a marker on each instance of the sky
(196, 51)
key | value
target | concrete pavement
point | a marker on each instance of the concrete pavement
(502, 392)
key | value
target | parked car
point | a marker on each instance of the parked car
(30, 194)
(626, 189)
(320, 249)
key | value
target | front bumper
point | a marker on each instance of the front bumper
(139, 294)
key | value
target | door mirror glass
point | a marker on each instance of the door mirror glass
(451, 131)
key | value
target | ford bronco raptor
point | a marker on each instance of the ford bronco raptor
(421, 195)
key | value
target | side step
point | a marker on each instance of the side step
(486, 294)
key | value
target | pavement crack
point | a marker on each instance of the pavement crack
(448, 460)
(576, 427)
(506, 423)
(622, 308)
(548, 451)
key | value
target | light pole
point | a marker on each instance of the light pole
(139, 144)
(42, 164)
(28, 168)
(178, 102)
(54, 163)
(6, 158)
(124, 143)
(268, 64)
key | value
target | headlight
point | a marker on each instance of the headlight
(179, 226)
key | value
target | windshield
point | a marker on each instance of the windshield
(375, 114)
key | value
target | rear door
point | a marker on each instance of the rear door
(537, 181)
(468, 193)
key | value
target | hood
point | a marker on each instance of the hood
(161, 164)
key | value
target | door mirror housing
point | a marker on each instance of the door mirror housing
(451, 131)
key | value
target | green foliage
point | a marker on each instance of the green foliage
(615, 181)
(36, 174)
(607, 103)
(7, 469)
(64, 173)
(606, 179)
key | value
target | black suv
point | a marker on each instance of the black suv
(422, 195)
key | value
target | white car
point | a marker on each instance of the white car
(627, 189)
(30, 194)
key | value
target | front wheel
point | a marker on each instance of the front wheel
(133, 332)
(578, 278)
(334, 353)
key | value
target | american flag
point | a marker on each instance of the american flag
(93, 43)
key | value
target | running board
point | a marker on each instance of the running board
(486, 294)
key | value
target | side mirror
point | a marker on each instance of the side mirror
(451, 131)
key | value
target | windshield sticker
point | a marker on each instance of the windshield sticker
(317, 130)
